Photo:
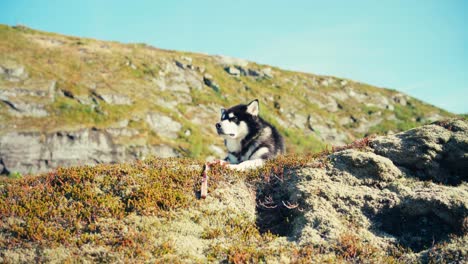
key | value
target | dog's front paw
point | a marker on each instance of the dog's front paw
(223, 163)
(237, 167)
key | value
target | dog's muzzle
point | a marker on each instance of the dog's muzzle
(219, 129)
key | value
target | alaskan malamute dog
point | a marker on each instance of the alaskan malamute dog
(250, 140)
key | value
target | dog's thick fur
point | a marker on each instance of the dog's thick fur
(249, 139)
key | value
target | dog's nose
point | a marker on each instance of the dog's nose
(218, 125)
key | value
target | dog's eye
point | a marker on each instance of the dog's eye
(234, 119)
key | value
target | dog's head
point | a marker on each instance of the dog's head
(234, 122)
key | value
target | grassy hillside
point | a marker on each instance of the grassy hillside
(57, 83)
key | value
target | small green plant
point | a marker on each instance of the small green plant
(15, 175)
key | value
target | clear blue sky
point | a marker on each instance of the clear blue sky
(418, 47)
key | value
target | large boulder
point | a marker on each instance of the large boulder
(37, 152)
(163, 125)
(376, 195)
(437, 152)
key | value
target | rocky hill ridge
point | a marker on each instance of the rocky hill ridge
(67, 100)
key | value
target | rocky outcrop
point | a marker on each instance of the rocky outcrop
(163, 125)
(208, 80)
(407, 190)
(251, 72)
(116, 99)
(440, 151)
(13, 72)
(30, 99)
(33, 152)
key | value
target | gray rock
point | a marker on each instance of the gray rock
(164, 151)
(253, 73)
(208, 80)
(116, 99)
(160, 83)
(360, 97)
(122, 132)
(267, 72)
(384, 214)
(163, 125)
(400, 99)
(194, 81)
(331, 105)
(167, 103)
(340, 95)
(24, 109)
(366, 165)
(176, 79)
(132, 152)
(13, 73)
(187, 59)
(177, 86)
(52, 90)
(434, 151)
(180, 64)
(386, 206)
(365, 124)
(38, 152)
(327, 81)
(298, 120)
(84, 146)
(327, 132)
(185, 63)
(225, 60)
(233, 71)
(130, 64)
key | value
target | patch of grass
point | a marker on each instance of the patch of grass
(353, 249)
(15, 175)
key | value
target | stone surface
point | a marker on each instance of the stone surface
(366, 165)
(37, 152)
(164, 151)
(163, 125)
(116, 99)
(233, 71)
(30, 152)
(439, 152)
(372, 196)
(326, 131)
(208, 80)
(21, 109)
(226, 60)
(13, 72)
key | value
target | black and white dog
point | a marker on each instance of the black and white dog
(249, 139)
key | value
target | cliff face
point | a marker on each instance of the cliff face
(401, 198)
(68, 100)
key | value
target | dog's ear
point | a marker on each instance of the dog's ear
(252, 107)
